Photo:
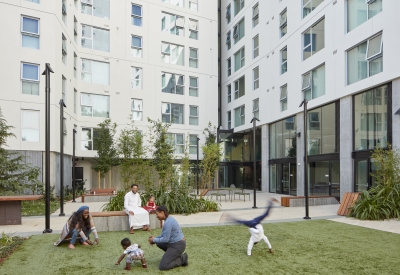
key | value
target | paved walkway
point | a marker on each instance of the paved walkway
(241, 209)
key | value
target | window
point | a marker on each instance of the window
(239, 59)
(229, 120)
(136, 47)
(229, 93)
(172, 113)
(64, 11)
(178, 3)
(75, 64)
(313, 83)
(137, 109)
(178, 142)
(95, 105)
(309, 6)
(256, 108)
(359, 12)
(33, 1)
(75, 29)
(314, 39)
(193, 29)
(238, 5)
(192, 144)
(255, 15)
(173, 54)
(173, 24)
(64, 49)
(172, 83)
(99, 8)
(240, 116)
(193, 5)
(283, 23)
(239, 87)
(255, 47)
(365, 60)
(193, 58)
(282, 138)
(284, 60)
(229, 66)
(228, 14)
(64, 89)
(95, 72)
(89, 138)
(95, 38)
(75, 100)
(194, 86)
(193, 115)
(30, 32)
(228, 40)
(30, 125)
(238, 31)
(136, 15)
(256, 77)
(283, 98)
(30, 79)
(136, 78)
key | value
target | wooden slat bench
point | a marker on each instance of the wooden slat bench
(298, 201)
(99, 195)
(348, 200)
(95, 191)
(11, 209)
(119, 221)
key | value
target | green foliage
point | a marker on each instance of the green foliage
(116, 203)
(106, 152)
(15, 174)
(38, 207)
(8, 244)
(211, 156)
(185, 166)
(383, 200)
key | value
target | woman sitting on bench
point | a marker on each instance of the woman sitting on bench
(80, 223)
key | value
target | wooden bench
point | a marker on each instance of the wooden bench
(298, 201)
(119, 221)
(348, 200)
(95, 191)
(11, 209)
(99, 195)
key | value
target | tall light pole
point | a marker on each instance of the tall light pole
(73, 165)
(197, 164)
(254, 160)
(62, 105)
(304, 103)
(46, 73)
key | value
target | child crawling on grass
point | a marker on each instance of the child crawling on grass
(132, 253)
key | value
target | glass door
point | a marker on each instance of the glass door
(285, 178)
(293, 179)
(334, 182)
(361, 175)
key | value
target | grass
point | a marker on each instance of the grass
(37, 208)
(307, 247)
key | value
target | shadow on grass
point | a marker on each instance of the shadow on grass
(307, 247)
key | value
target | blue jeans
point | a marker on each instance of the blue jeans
(75, 234)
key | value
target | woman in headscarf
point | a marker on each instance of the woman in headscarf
(80, 223)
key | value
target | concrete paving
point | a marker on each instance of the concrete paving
(241, 209)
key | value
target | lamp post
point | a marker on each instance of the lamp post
(304, 103)
(197, 164)
(46, 73)
(62, 105)
(254, 159)
(73, 165)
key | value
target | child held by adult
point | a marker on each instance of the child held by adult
(132, 253)
(150, 205)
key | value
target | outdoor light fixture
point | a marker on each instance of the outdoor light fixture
(254, 158)
(62, 106)
(304, 102)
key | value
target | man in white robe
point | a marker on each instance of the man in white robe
(138, 217)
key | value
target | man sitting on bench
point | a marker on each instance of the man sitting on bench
(138, 216)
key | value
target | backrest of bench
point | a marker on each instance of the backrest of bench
(102, 191)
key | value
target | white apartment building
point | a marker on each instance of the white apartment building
(342, 55)
(154, 59)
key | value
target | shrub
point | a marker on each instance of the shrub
(8, 244)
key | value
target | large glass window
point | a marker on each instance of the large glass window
(173, 24)
(172, 83)
(370, 119)
(321, 129)
(193, 86)
(193, 5)
(313, 83)
(178, 3)
(136, 78)
(89, 138)
(178, 142)
(314, 39)
(238, 31)
(192, 144)
(255, 47)
(30, 125)
(194, 115)
(283, 138)
(172, 113)
(137, 109)
(136, 15)
(64, 49)
(255, 15)
(284, 60)
(240, 116)
(240, 87)
(95, 38)
(256, 78)
(193, 58)
(193, 29)
(239, 59)
(30, 32)
(359, 11)
(365, 60)
(283, 98)
(229, 66)
(95, 72)
(30, 79)
(283, 22)
(229, 93)
(95, 105)
(228, 14)
(99, 8)
(229, 120)
(228, 40)
(173, 54)
(238, 6)
(136, 47)
(310, 5)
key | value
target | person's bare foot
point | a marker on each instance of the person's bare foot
(146, 228)
(85, 243)
(132, 231)
(270, 250)
(71, 246)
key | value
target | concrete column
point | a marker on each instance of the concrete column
(396, 118)
(346, 145)
(300, 154)
(265, 158)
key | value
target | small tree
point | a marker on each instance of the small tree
(185, 167)
(104, 143)
(211, 156)
(15, 175)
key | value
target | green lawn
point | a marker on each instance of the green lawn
(38, 208)
(307, 247)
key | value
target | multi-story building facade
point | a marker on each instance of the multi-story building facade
(276, 53)
(152, 59)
